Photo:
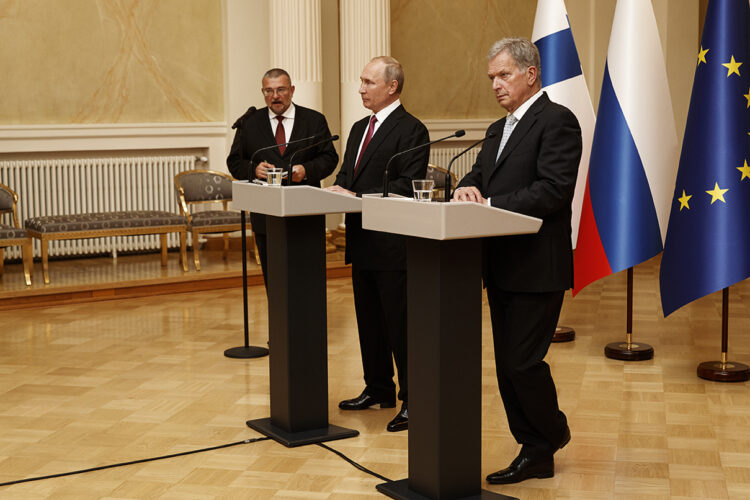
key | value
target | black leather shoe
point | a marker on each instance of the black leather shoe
(523, 468)
(364, 401)
(401, 421)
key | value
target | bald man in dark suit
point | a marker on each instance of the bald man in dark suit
(379, 259)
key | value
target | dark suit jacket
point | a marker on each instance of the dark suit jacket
(373, 250)
(535, 175)
(256, 133)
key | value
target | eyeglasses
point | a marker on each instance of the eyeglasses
(279, 90)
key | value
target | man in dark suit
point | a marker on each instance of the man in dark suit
(279, 122)
(379, 259)
(530, 168)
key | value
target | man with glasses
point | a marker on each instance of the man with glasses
(279, 122)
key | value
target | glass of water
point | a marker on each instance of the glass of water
(274, 176)
(423, 189)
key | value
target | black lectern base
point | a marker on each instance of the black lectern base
(245, 352)
(400, 491)
(292, 439)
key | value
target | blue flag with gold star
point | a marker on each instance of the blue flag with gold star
(708, 238)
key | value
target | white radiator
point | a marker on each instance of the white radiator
(442, 156)
(61, 186)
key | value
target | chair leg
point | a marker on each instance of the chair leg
(2, 260)
(45, 261)
(28, 261)
(226, 246)
(183, 250)
(196, 260)
(163, 241)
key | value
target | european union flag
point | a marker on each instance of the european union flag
(708, 238)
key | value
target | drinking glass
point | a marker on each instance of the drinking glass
(423, 189)
(274, 176)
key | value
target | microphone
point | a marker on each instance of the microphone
(316, 144)
(241, 120)
(457, 133)
(296, 141)
(448, 178)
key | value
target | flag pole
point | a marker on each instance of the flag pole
(724, 370)
(628, 350)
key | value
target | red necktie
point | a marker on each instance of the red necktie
(280, 135)
(370, 131)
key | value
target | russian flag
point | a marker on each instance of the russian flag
(634, 155)
(563, 80)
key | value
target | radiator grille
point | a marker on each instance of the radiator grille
(442, 156)
(79, 185)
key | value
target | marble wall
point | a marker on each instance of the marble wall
(111, 61)
(442, 45)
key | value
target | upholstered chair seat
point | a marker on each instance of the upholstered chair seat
(12, 233)
(214, 218)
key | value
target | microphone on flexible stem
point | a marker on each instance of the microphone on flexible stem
(296, 141)
(241, 120)
(448, 178)
(457, 133)
(291, 158)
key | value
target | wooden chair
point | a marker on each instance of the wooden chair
(194, 187)
(13, 234)
(437, 174)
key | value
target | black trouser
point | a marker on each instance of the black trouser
(522, 326)
(380, 305)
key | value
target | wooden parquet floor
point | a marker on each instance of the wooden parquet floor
(85, 385)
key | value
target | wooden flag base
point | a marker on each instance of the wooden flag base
(719, 371)
(564, 334)
(724, 370)
(629, 351)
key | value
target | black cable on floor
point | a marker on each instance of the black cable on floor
(143, 460)
(355, 464)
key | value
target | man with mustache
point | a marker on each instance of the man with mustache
(279, 122)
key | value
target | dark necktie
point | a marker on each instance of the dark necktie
(370, 131)
(280, 134)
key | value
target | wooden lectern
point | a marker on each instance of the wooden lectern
(444, 290)
(298, 362)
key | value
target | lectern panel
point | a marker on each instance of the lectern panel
(289, 201)
(443, 221)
